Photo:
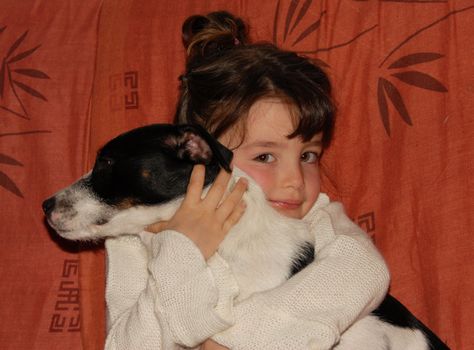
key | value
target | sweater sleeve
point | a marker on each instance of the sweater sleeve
(165, 296)
(346, 281)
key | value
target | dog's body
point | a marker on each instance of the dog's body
(140, 178)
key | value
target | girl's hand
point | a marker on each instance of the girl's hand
(212, 345)
(206, 221)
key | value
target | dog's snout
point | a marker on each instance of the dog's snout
(48, 205)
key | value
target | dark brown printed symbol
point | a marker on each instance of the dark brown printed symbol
(11, 85)
(66, 315)
(124, 91)
(387, 90)
(367, 222)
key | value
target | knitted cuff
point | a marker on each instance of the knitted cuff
(265, 328)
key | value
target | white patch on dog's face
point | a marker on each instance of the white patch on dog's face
(77, 212)
(79, 215)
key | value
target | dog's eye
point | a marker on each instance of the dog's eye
(105, 161)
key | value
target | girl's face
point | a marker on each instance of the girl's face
(286, 169)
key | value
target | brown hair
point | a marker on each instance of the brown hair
(225, 75)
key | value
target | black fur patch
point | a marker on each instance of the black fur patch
(393, 312)
(304, 257)
(152, 164)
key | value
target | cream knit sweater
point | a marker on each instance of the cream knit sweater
(167, 296)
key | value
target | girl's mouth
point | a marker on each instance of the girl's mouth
(289, 205)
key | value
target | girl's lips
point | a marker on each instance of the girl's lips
(286, 204)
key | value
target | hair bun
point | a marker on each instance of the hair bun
(212, 33)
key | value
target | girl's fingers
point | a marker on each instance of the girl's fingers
(196, 182)
(217, 190)
(233, 199)
(157, 227)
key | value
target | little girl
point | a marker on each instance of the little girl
(273, 109)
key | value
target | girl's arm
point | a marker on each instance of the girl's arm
(169, 294)
(180, 299)
(346, 281)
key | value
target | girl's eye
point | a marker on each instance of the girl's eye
(264, 158)
(310, 157)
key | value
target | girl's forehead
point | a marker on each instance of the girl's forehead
(270, 117)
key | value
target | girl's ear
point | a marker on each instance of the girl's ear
(193, 143)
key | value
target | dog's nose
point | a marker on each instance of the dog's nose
(48, 205)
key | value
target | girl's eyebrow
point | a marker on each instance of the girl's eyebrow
(265, 144)
(273, 144)
(317, 143)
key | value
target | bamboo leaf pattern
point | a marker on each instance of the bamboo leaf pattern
(415, 58)
(275, 22)
(4, 159)
(397, 101)
(9, 185)
(301, 14)
(289, 16)
(7, 73)
(29, 90)
(420, 80)
(22, 55)
(309, 30)
(16, 44)
(383, 107)
(34, 73)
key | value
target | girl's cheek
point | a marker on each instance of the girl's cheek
(260, 176)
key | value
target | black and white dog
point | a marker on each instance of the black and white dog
(140, 178)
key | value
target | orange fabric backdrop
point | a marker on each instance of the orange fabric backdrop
(401, 160)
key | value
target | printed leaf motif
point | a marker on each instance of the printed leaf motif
(421, 80)
(22, 55)
(9, 185)
(309, 30)
(383, 107)
(415, 58)
(16, 44)
(29, 90)
(4, 159)
(397, 101)
(301, 14)
(275, 22)
(289, 16)
(32, 73)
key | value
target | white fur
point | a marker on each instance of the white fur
(371, 333)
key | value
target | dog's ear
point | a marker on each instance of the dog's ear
(195, 144)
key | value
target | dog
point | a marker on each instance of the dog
(141, 176)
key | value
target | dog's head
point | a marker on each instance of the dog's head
(135, 173)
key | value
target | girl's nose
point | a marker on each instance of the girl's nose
(293, 176)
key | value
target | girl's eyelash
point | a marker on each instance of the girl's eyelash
(313, 159)
(264, 158)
